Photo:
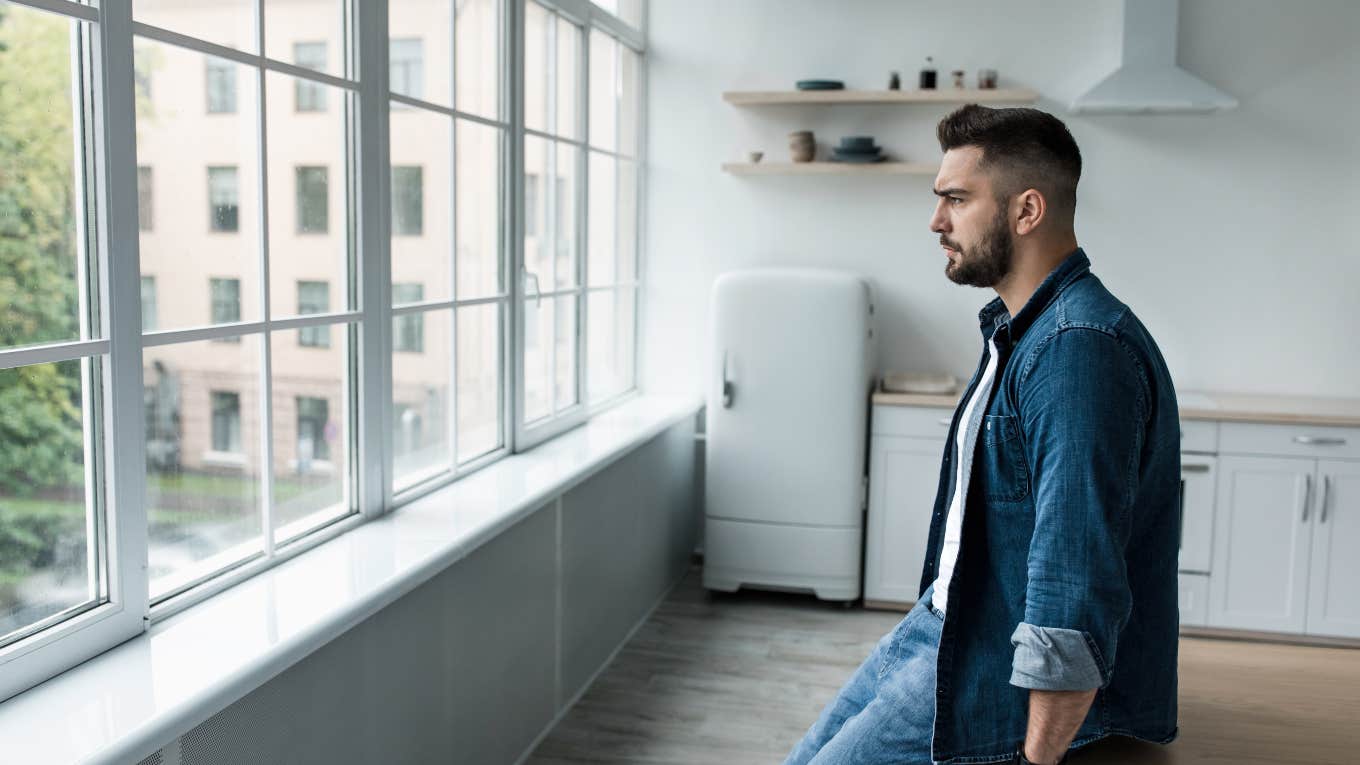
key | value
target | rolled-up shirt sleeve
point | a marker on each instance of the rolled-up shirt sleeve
(1083, 410)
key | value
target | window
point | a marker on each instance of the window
(311, 200)
(408, 335)
(224, 204)
(314, 297)
(531, 204)
(310, 96)
(313, 443)
(406, 69)
(221, 86)
(408, 201)
(148, 303)
(244, 396)
(226, 422)
(226, 300)
(144, 219)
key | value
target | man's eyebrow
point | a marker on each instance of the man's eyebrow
(955, 192)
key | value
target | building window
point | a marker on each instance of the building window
(311, 200)
(531, 204)
(226, 302)
(144, 198)
(406, 67)
(314, 297)
(409, 333)
(313, 414)
(221, 86)
(226, 422)
(408, 201)
(224, 199)
(148, 303)
(310, 96)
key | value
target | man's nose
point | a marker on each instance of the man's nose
(938, 222)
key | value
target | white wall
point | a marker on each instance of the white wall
(1231, 235)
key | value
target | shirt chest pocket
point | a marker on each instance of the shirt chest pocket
(1002, 471)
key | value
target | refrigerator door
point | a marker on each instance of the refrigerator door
(787, 397)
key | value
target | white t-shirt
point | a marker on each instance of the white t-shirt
(964, 439)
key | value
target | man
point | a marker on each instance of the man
(1048, 612)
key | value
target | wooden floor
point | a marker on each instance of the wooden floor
(738, 679)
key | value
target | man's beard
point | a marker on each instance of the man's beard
(988, 262)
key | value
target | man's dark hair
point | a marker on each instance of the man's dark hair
(1021, 149)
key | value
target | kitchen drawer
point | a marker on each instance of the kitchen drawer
(1199, 436)
(920, 421)
(1194, 599)
(1326, 442)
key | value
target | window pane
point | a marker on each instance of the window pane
(406, 66)
(312, 200)
(308, 196)
(610, 343)
(628, 214)
(477, 28)
(629, 11)
(602, 216)
(225, 22)
(603, 91)
(538, 361)
(538, 82)
(38, 203)
(203, 485)
(537, 236)
(479, 209)
(309, 96)
(221, 87)
(311, 434)
(421, 417)
(408, 329)
(313, 297)
(564, 385)
(144, 215)
(290, 23)
(564, 195)
(224, 301)
(424, 140)
(479, 380)
(45, 547)
(568, 78)
(408, 200)
(630, 64)
(207, 188)
(148, 303)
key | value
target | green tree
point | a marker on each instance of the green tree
(40, 432)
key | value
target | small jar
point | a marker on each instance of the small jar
(987, 79)
(958, 75)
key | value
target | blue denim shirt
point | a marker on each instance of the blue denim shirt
(1066, 575)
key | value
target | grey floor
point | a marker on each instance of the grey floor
(738, 678)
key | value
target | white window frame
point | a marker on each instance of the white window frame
(586, 16)
(115, 423)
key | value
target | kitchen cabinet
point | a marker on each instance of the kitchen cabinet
(903, 473)
(1334, 576)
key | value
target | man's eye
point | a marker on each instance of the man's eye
(955, 199)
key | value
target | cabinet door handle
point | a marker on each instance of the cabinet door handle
(729, 391)
(1307, 494)
(1326, 489)
(1194, 468)
(1319, 440)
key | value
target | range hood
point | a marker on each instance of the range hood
(1147, 80)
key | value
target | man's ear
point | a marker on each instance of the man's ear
(1028, 211)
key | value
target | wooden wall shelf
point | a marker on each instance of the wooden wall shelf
(939, 96)
(830, 168)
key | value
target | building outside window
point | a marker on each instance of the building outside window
(314, 297)
(225, 295)
(408, 201)
(224, 200)
(406, 68)
(226, 422)
(144, 219)
(313, 414)
(309, 96)
(408, 335)
(312, 212)
(221, 76)
(148, 303)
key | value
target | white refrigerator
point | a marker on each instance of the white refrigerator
(791, 367)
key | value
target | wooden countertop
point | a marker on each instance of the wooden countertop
(1204, 405)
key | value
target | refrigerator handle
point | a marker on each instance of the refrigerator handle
(728, 390)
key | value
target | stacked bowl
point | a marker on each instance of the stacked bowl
(857, 148)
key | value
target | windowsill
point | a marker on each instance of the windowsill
(129, 701)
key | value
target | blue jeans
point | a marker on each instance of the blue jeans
(885, 713)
